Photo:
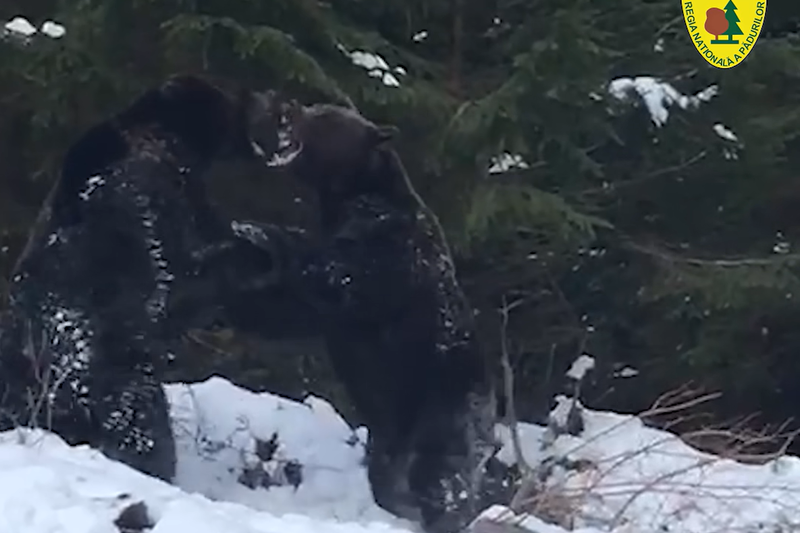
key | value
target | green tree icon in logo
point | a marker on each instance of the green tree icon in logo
(733, 26)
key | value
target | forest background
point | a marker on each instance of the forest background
(604, 189)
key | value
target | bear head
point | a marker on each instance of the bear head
(337, 151)
(193, 118)
(210, 121)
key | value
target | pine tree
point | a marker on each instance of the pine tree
(733, 22)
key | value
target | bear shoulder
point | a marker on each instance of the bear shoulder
(185, 120)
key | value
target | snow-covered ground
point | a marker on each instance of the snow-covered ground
(304, 464)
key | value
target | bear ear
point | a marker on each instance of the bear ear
(386, 133)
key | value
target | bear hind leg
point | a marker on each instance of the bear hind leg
(135, 427)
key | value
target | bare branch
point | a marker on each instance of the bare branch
(723, 263)
(615, 186)
(508, 381)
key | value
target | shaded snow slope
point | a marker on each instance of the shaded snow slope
(217, 425)
(304, 465)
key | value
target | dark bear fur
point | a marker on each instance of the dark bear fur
(399, 329)
(125, 229)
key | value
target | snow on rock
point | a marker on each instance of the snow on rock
(616, 476)
(658, 95)
(20, 25)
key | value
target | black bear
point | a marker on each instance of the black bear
(85, 338)
(399, 330)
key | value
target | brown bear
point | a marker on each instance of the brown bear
(399, 330)
(84, 341)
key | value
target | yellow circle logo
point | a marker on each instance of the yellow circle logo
(724, 31)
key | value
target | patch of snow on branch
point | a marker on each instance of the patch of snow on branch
(580, 367)
(420, 36)
(20, 25)
(505, 162)
(626, 372)
(376, 66)
(53, 29)
(782, 246)
(368, 60)
(725, 133)
(730, 153)
(658, 95)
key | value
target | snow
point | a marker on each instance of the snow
(642, 479)
(368, 60)
(375, 65)
(728, 152)
(725, 133)
(21, 26)
(505, 162)
(216, 441)
(634, 479)
(420, 36)
(157, 301)
(51, 487)
(580, 367)
(626, 372)
(658, 95)
(53, 29)
(92, 184)
(388, 78)
(781, 246)
(503, 515)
